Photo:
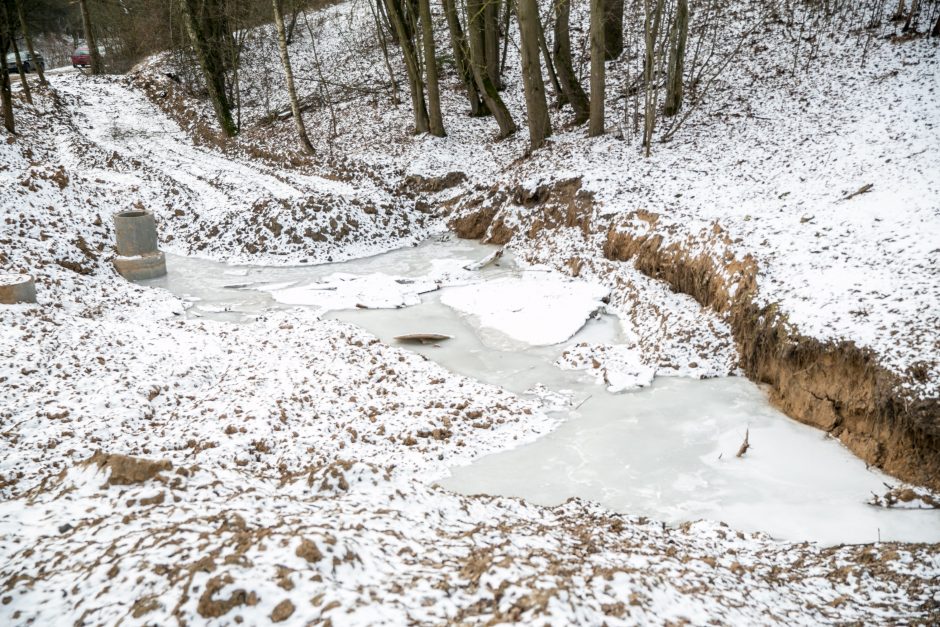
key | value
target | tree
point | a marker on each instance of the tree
(598, 78)
(573, 91)
(677, 40)
(19, 63)
(6, 94)
(93, 52)
(402, 24)
(205, 23)
(613, 29)
(651, 64)
(436, 120)
(536, 107)
(289, 77)
(485, 85)
(491, 40)
(24, 28)
(458, 45)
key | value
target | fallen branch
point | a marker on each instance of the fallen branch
(745, 444)
(864, 189)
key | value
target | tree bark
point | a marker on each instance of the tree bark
(560, 98)
(415, 82)
(458, 44)
(539, 124)
(677, 40)
(210, 60)
(6, 93)
(380, 29)
(566, 76)
(613, 29)
(487, 89)
(912, 17)
(19, 65)
(491, 40)
(90, 40)
(598, 79)
(436, 120)
(29, 41)
(289, 77)
(651, 68)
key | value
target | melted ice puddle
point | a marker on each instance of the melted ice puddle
(666, 451)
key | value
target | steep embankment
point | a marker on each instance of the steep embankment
(837, 386)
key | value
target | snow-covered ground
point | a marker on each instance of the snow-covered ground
(290, 456)
(798, 121)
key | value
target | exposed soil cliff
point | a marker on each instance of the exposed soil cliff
(837, 387)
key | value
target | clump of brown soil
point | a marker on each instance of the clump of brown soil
(210, 607)
(282, 611)
(308, 550)
(548, 206)
(126, 470)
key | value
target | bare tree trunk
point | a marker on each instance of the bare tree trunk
(210, 61)
(458, 44)
(488, 90)
(560, 98)
(598, 79)
(380, 29)
(415, 82)
(899, 12)
(651, 28)
(90, 40)
(539, 124)
(562, 52)
(19, 67)
(613, 29)
(677, 40)
(912, 17)
(491, 40)
(6, 93)
(936, 28)
(29, 42)
(289, 77)
(506, 15)
(430, 67)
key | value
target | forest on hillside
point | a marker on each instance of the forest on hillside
(674, 53)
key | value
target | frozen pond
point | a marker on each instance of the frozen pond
(666, 451)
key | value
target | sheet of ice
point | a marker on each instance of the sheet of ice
(349, 291)
(665, 451)
(668, 452)
(537, 308)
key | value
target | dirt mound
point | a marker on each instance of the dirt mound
(126, 470)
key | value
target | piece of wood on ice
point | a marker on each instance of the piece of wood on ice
(479, 265)
(423, 338)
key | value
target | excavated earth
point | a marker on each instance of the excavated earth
(836, 387)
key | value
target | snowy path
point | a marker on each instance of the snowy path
(236, 203)
(121, 119)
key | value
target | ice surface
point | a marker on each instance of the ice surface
(536, 308)
(666, 451)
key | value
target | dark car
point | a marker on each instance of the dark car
(81, 57)
(29, 63)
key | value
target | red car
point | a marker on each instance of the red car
(81, 57)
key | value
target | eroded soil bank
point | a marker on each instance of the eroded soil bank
(837, 387)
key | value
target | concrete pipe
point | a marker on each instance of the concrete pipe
(138, 257)
(141, 268)
(17, 288)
